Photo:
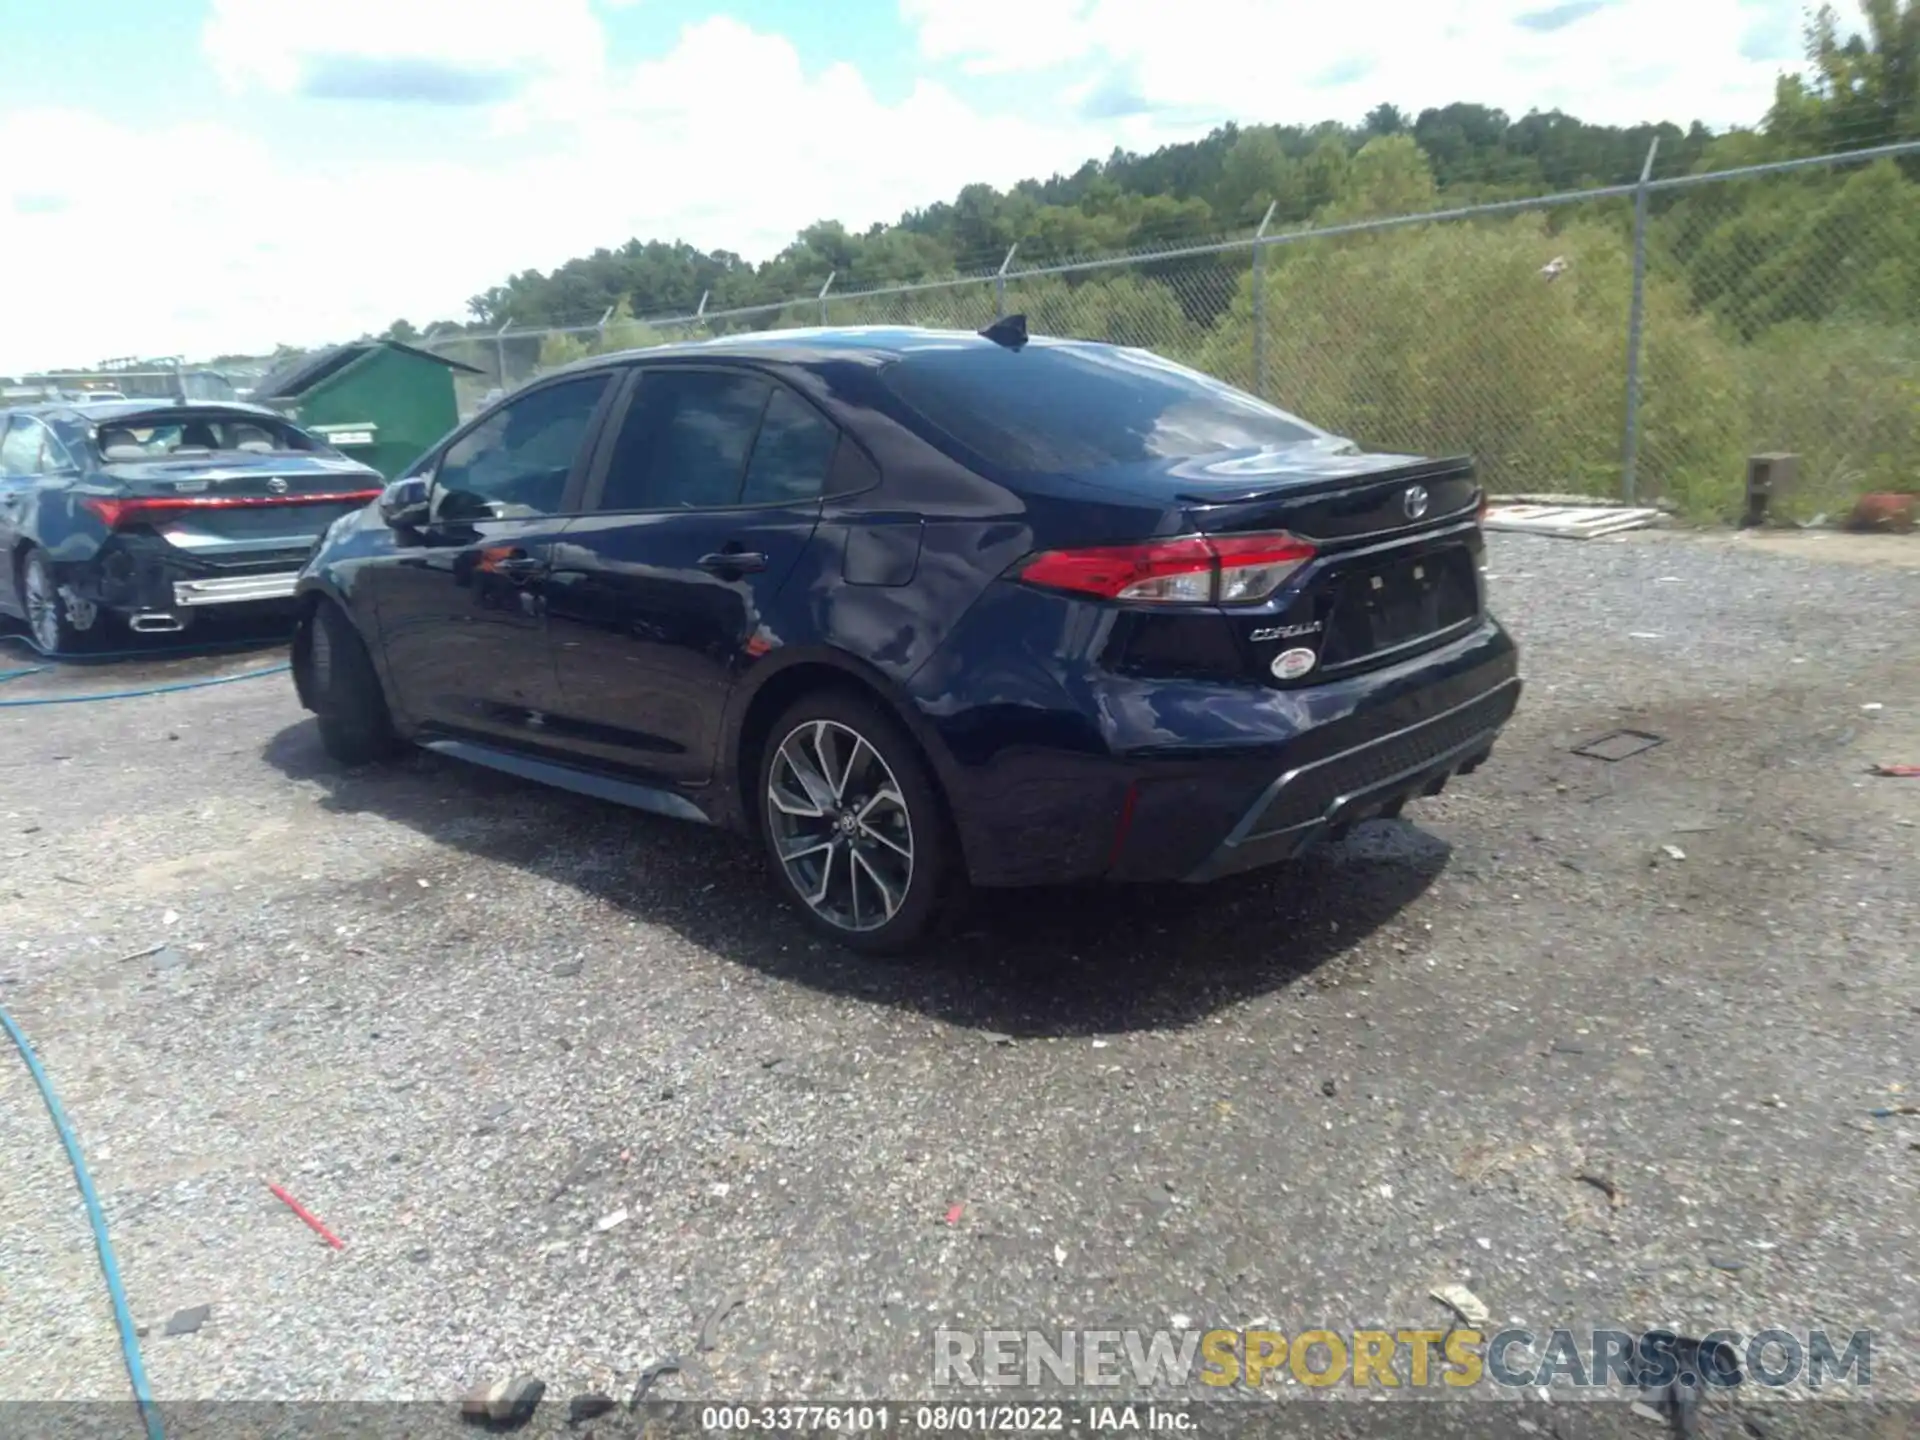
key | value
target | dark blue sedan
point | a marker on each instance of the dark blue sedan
(921, 609)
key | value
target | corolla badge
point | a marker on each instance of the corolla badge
(1415, 501)
(1284, 632)
(1292, 664)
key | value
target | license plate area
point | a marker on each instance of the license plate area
(1395, 602)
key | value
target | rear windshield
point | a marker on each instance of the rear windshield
(141, 437)
(1066, 408)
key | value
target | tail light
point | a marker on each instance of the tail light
(1189, 570)
(113, 511)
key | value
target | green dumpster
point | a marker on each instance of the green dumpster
(379, 401)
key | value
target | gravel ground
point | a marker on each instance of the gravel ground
(469, 1022)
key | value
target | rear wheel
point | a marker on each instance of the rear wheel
(61, 624)
(854, 825)
(343, 689)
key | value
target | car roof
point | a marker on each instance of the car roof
(871, 344)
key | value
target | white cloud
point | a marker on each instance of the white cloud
(726, 141)
(248, 255)
(1608, 61)
(445, 51)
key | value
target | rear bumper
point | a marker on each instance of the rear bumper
(1321, 799)
(143, 575)
(1135, 779)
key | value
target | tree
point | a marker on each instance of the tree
(1387, 120)
(1256, 172)
(401, 331)
(1864, 87)
(1390, 176)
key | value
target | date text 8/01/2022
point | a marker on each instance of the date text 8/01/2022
(941, 1419)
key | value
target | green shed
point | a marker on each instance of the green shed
(379, 401)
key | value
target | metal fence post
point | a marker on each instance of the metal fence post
(500, 351)
(823, 295)
(1260, 302)
(600, 326)
(1636, 318)
(1000, 284)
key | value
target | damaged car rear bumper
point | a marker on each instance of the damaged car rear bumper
(158, 586)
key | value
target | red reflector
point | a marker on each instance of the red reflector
(1189, 570)
(113, 511)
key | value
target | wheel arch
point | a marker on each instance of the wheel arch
(776, 685)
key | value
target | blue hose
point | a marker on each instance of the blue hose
(157, 652)
(149, 690)
(122, 1315)
(6, 675)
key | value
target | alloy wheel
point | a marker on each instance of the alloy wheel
(43, 605)
(840, 825)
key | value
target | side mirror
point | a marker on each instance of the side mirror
(404, 503)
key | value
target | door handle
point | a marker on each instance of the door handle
(520, 567)
(733, 562)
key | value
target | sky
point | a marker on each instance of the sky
(201, 177)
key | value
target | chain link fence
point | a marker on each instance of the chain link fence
(1643, 338)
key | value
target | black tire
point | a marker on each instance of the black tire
(864, 868)
(49, 617)
(341, 687)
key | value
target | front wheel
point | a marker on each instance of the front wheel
(855, 829)
(343, 689)
(61, 624)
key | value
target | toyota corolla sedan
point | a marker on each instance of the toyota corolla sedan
(920, 611)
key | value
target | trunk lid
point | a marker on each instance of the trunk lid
(1322, 494)
(1396, 568)
(236, 504)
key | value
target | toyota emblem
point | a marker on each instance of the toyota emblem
(1415, 501)
(279, 487)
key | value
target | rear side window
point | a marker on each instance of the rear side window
(792, 454)
(28, 449)
(1051, 408)
(19, 446)
(705, 439)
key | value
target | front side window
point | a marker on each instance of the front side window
(515, 463)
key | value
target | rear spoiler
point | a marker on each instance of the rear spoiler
(1324, 472)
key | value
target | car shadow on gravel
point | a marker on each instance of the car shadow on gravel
(1056, 961)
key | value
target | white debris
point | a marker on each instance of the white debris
(1568, 522)
(607, 1222)
(1463, 1302)
(1674, 852)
